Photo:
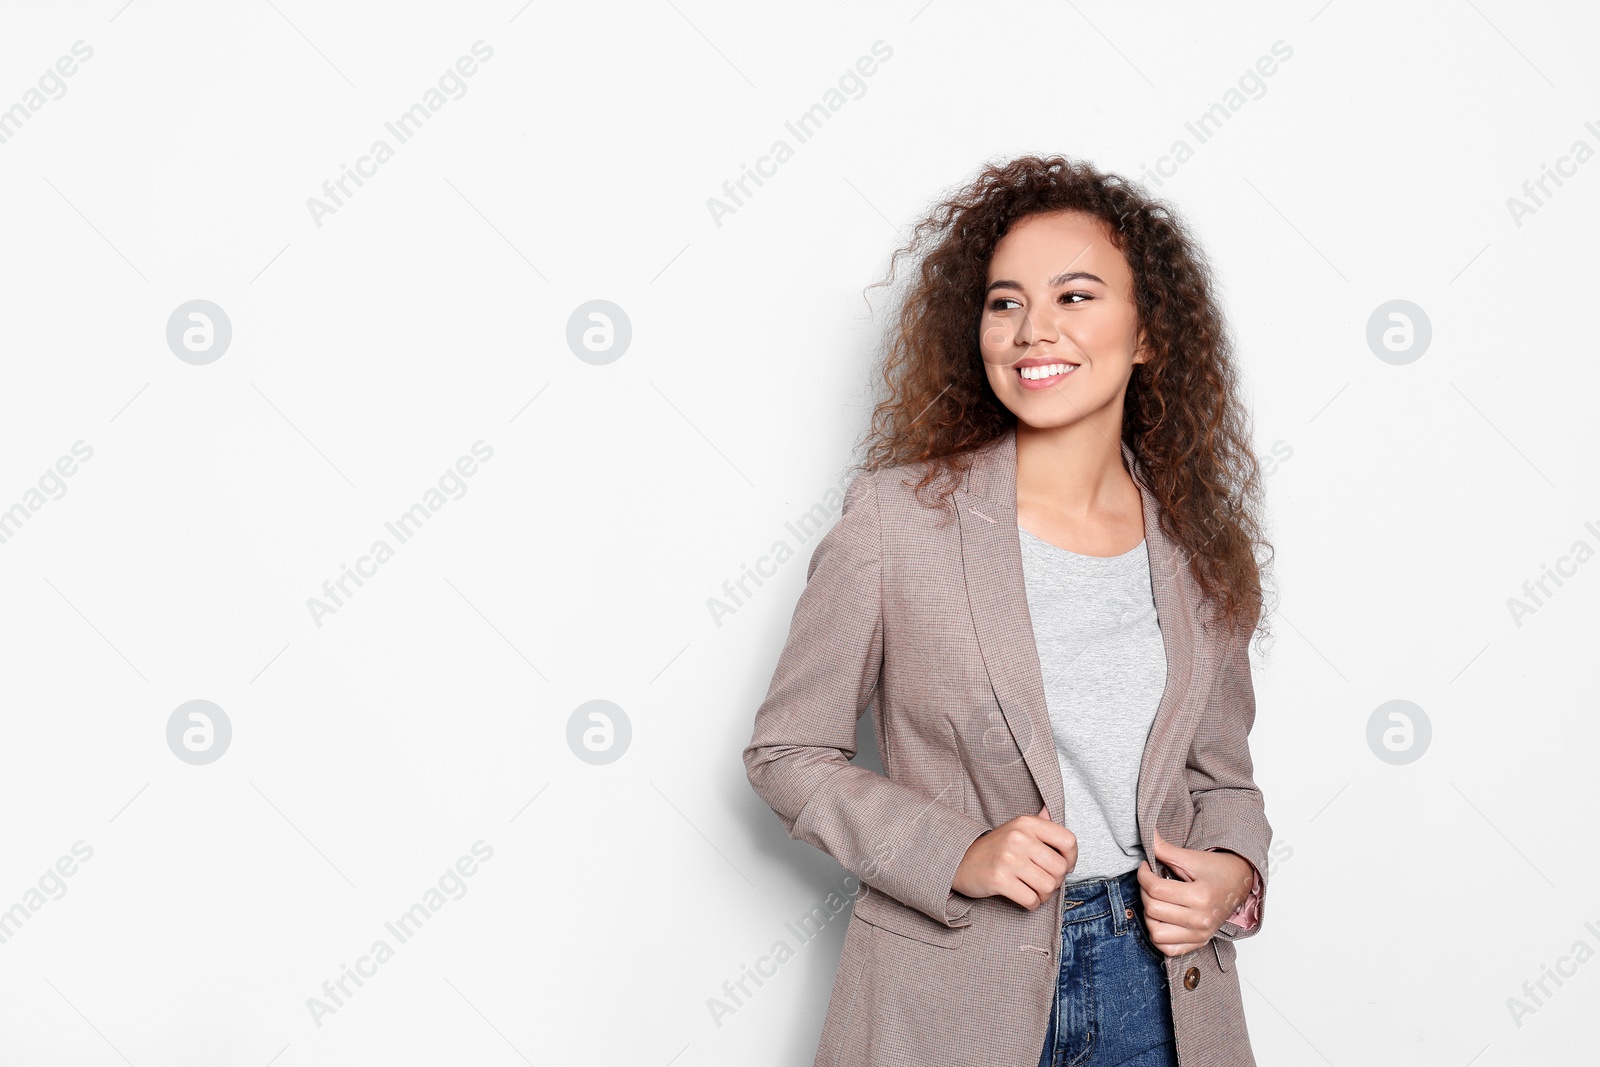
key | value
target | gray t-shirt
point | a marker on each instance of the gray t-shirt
(1105, 667)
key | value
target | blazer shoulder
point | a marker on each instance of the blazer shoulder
(899, 479)
(906, 511)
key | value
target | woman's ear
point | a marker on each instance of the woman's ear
(1141, 350)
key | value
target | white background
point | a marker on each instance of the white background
(430, 711)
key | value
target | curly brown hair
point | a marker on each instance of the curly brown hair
(1181, 415)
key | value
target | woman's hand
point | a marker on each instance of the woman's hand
(1023, 860)
(1183, 915)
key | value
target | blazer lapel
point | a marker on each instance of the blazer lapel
(991, 556)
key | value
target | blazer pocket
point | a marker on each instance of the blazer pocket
(1225, 952)
(878, 909)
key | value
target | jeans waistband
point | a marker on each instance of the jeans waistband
(1099, 898)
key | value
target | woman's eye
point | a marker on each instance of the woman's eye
(998, 304)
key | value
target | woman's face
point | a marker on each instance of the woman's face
(1059, 293)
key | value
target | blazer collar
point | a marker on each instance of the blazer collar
(991, 554)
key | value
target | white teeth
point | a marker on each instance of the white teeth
(1033, 374)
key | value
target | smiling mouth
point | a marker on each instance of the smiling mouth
(1046, 371)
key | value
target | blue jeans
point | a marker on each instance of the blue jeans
(1111, 1007)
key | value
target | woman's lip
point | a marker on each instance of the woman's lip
(1046, 383)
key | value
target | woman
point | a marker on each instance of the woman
(1044, 580)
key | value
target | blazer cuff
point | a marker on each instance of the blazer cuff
(895, 839)
(1247, 916)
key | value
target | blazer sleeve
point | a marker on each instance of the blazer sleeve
(1229, 812)
(889, 835)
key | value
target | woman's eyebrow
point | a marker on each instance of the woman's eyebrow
(1059, 279)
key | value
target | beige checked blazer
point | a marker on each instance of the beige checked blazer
(929, 624)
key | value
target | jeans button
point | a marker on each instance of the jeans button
(1129, 913)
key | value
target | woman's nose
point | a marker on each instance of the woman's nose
(1038, 324)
